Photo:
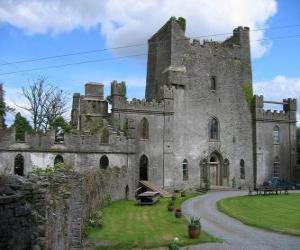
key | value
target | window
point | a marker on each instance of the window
(104, 162)
(276, 167)
(242, 169)
(225, 168)
(213, 129)
(59, 135)
(276, 135)
(185, 171)
(105, 136)
(213, 83)
(58, 159)
(144, 129)
(19, 165)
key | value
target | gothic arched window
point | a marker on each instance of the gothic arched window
(144, 129)
(276, 139)
(104, 162)
(185, 170)
(58, 159)
(213, 129)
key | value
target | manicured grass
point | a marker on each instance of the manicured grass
(127, 225)
(274, 212)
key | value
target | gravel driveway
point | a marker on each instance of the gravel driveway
(235, 234)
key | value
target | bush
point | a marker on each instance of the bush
(96, 219)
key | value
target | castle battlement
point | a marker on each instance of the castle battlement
(289, 106)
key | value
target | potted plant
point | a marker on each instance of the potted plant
(178, 213)
(194, 228)
(171, 205)
(183, 193)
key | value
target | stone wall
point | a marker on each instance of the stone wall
(49, 211)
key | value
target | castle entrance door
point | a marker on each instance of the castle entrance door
(143, 168)
(215, 169)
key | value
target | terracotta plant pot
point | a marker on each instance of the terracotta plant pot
(178, 213)
(194, 232)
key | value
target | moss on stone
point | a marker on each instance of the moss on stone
(248, 92)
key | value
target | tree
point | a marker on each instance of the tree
(22, 126)
(45, 103)
(3, 108)
(61, 122)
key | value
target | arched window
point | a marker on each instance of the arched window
(185, 170)
(144, 168)
(104, 162)
(242, 169)
(19, 165)
(213, 83)
(276, 139)
(276, 167)
(144, 129)
(225, 168)
(105, 136)
(213, 129)
(58, 159)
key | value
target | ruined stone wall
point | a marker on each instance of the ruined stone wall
(50, 211)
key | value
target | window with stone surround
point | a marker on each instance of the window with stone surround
(19, 165)
(242, 169)
(104, 162)
(185, 170)
(276, 139)
(276, 167)
(213, 83)
(144, 129)
(213, 129)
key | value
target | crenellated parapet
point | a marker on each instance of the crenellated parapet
(287, 114)
(135, 105)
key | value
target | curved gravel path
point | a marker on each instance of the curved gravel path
(234, 233)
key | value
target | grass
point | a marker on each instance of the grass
(127, 226)
(279, 213)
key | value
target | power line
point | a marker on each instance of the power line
(111, 59)
(134, 45)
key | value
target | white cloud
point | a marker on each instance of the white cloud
(277, 89)
(134, 21)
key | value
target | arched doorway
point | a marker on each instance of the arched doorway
(143, 168)
(215, 169)
(19, 165)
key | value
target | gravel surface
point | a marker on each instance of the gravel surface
(235, 234)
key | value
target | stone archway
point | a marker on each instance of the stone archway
(215, 162)
(19, 165)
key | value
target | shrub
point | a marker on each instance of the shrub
(96, 219)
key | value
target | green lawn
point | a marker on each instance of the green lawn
(127, 225)
(274, 212)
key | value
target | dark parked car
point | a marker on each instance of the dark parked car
(276, 182)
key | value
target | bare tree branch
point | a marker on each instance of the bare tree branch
(46, 102)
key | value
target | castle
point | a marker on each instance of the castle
(199, 122)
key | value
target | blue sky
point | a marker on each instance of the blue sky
(35, 28)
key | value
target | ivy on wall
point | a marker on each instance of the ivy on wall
(248, 92)
(182, 23)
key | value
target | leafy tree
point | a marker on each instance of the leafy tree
(61, 122)
(21, 125)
